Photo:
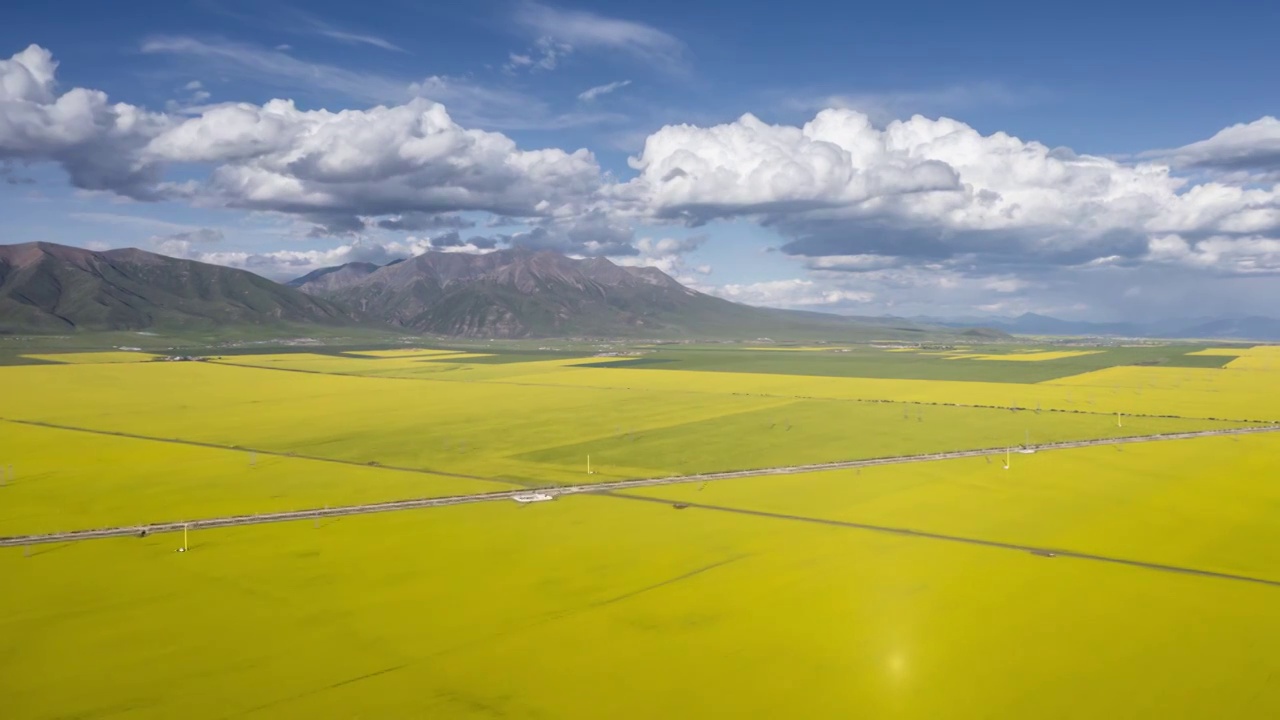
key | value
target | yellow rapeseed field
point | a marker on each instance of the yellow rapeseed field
(1113, 581)
(1225, 393)
(452, 366)
(1207, 503)
(74, 358)
(70, 480)
(593, 607)
(1263, 357)
(473, 428)
(342, 364)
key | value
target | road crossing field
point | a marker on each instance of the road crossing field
(499, 609)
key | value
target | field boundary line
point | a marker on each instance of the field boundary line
(373, 465)
(587, 489)
(1048, 552)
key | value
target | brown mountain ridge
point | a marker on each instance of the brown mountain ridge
(46, 287)
(512, 293)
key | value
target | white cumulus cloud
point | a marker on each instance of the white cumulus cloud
(790, 293)
(1243, 148)
(924, 189)
(384, 161)
(94, 140)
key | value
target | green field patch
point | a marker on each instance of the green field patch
(640, 362)
(891, 363)
(1190, 360)
(816, 431)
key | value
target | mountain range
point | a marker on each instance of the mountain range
(517, 293)
(514, 293)
(54, 288)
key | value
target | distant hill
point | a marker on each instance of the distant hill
(55, 288)
(522, 293)
(1246, 328)
(1035, 324)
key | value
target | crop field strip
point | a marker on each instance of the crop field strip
(858, 379)
(1068, 395)
(980, 366)
(463, 428)
(954, 365)
(873, 400)
(692, 390)
(429, 429)
(596, 488)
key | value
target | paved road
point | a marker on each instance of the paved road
(596, 488)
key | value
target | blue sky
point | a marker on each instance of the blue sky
(1088, 159)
